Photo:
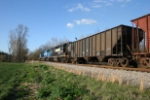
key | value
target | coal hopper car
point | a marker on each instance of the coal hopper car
(112, 46)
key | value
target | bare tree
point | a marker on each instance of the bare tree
(18, 43)
(54, 42)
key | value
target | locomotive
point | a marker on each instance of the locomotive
(60, 53)
(118, 46)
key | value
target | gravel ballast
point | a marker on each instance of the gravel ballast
(129, 77)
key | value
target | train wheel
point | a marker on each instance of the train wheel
(143, 63)
(73, 61)
(111, 62)
(124, 62)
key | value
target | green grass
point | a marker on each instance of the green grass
(35, 81)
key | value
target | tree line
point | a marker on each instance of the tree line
(18, 49)
(4, 56)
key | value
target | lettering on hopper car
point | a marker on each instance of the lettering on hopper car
(97, 54)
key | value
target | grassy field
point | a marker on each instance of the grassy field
(41, 82)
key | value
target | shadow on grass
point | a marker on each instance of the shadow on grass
(17, 93)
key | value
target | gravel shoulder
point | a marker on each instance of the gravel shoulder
(122, 76)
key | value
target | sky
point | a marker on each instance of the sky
(47, 19)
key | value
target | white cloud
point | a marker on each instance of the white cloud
(85, 21)
(108, 4)
(100, 3)
(123, 0)
(123, 5)
(97, 1)
(70, 25)
(81, 22)
(96, 5)
(79, 7)
(104, 1)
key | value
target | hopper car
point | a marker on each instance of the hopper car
(112, 46)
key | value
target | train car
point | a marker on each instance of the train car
(61, 53)
(43, 55)
(141, 56)
(112, 46)
(49, 53)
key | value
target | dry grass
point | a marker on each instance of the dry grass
(104, 78)
(84, 73)
(76, 71)
(120, 81)
(99, 76)
(92, 75)
(142, 85)
(112, 79)
(127, 83)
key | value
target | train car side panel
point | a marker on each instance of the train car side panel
(78, 51)
(114, 40)
(93, 44)
(84, 47)
(98, 45)
(108, 42)
(87, 47)
(102, 52)
(91, 47)
(80, 42)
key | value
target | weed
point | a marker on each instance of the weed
(43, 93)
(141, 85)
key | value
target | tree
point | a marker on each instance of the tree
(35, 54)
(18, 43)
(4, 56)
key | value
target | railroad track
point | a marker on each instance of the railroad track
(111, 67)
(120, 68)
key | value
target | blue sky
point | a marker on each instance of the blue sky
(60, 19)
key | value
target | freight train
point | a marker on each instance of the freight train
(118, 46)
